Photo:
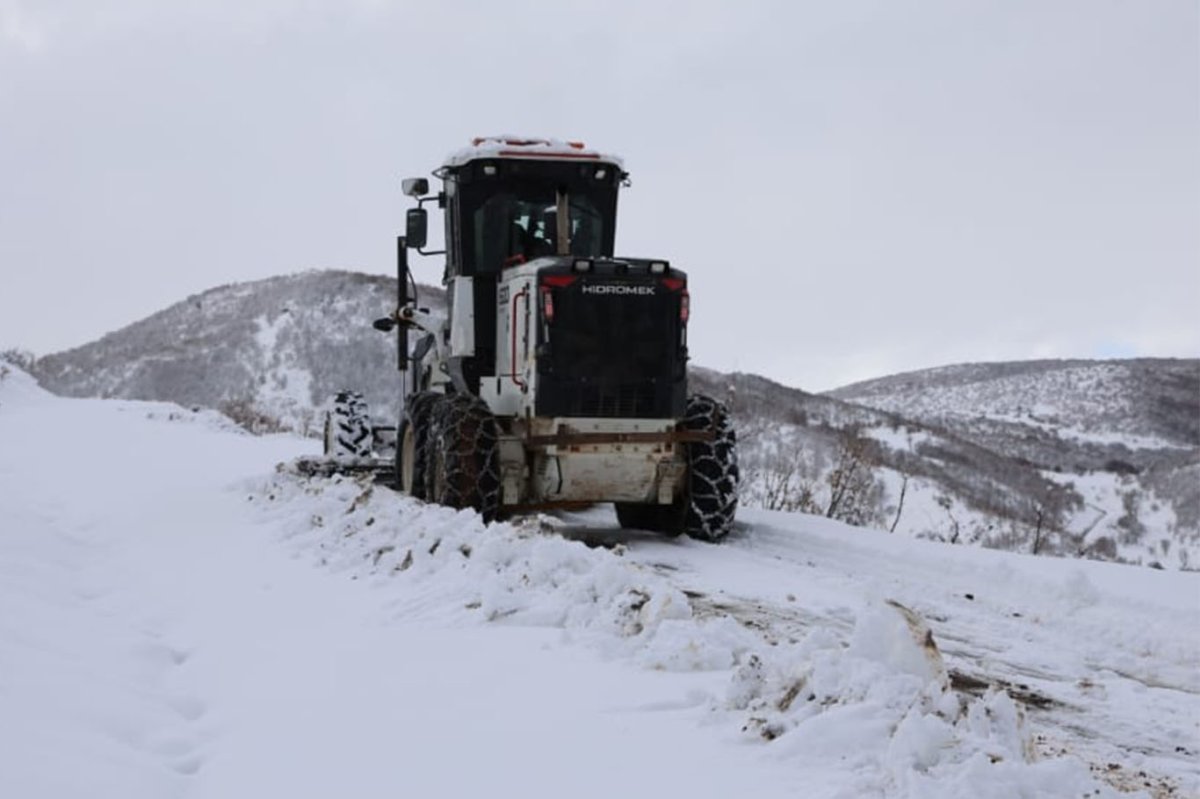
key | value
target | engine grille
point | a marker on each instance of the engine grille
(612, 355)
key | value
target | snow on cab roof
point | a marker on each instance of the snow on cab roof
(509, 146)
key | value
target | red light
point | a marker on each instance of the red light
(685, 307)
(547, 304)
(672, 283)
(558, 281)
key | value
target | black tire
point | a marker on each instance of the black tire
(712, 481)
(348, 427)
(707, 507)
(666, 519)
(411, 446)
(462, 460)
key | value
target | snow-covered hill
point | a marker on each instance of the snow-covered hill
(217, 627)
(1143, 403)
(1121, 439)
(272, 352)
(973, 478)
(1093, 459)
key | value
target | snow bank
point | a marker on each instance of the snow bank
(881, 705)
(18, 388)
(511, 574)
(203, 418)
(874, 711)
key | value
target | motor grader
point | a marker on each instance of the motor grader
(558, 375)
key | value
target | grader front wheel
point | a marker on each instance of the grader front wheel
(462, 460)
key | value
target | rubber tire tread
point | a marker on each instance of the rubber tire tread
(351, 426)
(417, 410)
(463, 445)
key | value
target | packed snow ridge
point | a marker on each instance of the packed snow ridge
(878, 700)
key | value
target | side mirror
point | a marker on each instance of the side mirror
(415, 187)
(416, 227)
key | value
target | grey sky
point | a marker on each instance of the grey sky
(856, 188)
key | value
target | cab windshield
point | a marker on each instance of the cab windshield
(520, 223)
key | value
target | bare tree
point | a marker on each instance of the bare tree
(777, 488)
(788, 482)
(1131, 526)
(22, 359)
(945, 502)
(855, 493)
(249, 417)
(900, 503)
(1039, 513)
(1047, 513)
(826, 476)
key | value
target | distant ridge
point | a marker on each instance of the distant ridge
(1149, 397)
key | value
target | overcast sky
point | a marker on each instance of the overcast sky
(855, 188)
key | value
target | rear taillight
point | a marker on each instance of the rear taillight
(548, 284)
(678, 284)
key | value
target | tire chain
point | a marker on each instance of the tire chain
(463, 441)
(713, 470)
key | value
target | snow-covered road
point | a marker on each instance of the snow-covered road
(178, 619)
(1103, 657)
(156, 640)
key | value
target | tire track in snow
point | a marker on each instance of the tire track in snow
(991, 638)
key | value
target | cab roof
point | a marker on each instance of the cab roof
(509, 146)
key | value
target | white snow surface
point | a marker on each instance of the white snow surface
(180, 618)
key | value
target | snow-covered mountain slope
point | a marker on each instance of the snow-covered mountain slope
(1142, 403)
(180, 619)
(1121, 438)
(271, 352)
(972, 478)
(1098, 460)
